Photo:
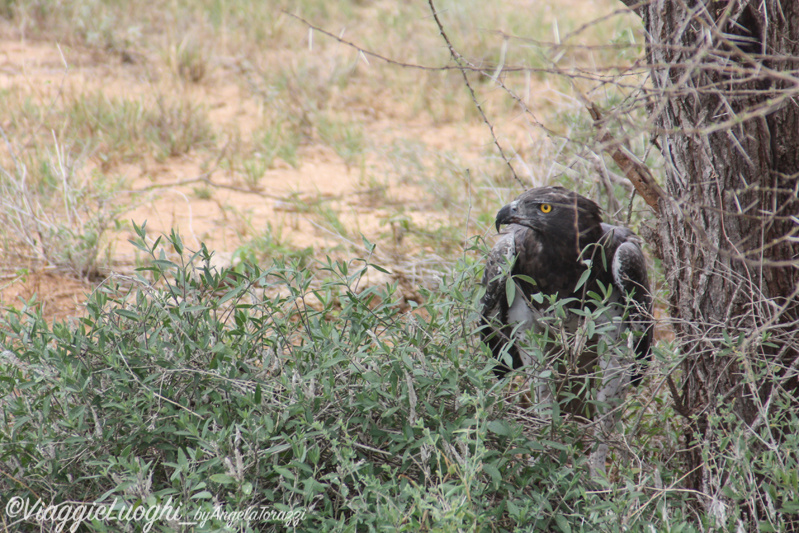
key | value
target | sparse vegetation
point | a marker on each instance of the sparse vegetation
(271, 246)
(52, 208)
(346, 139)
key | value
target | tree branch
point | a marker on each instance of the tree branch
(462, 66)
(635, 170)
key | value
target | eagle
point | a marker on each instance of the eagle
(567, 295)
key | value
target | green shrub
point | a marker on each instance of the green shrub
(299, 391)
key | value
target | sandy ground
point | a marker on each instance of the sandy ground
(164, 193)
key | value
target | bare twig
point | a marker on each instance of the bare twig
(461, 62)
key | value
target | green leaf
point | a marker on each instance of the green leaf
(510, 290)
(494, 472)
(368, 245)
(223, 479)
(182, 460)
(127, 314)
(176, 242)
(379, 268)
(232, 293)
(563, 524)
(583, 279)
(164, 264)
(499, 427)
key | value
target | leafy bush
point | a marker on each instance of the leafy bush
(298, 391)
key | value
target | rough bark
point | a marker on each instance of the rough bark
(725, 110)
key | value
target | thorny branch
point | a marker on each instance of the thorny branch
(632, 167)
(460, 61)
(638, 173)
(460, 64)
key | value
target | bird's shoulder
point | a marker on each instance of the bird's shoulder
(501, 254)
(498, 263)
(627, 262)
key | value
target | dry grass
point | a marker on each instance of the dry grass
(213, 117)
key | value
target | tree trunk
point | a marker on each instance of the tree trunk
(725, 112)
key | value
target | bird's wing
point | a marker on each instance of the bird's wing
(496, 275)
(628, 268)
(495, 330)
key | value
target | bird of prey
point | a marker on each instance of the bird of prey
(567, 295)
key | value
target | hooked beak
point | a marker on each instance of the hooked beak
(506, 215)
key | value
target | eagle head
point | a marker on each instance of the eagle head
(554, 213)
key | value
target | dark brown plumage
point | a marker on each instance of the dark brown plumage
(557, 254)
(552, 237)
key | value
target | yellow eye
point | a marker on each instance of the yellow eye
(546, 208)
